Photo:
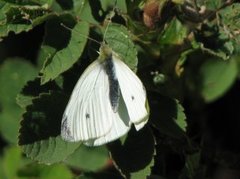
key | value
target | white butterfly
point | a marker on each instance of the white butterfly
(106, 100)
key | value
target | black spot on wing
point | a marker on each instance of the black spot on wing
(132, 97)
(87, 116)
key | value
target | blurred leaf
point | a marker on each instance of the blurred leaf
(191, 167)
(121, 5)
(179, 68)
(119, 39)
(167, 115)
(30, 2)
(100, 175)
(152, 11)
(60, 60)
(35, 170)
(14, 73)
(230, 17)
(217, 77)
(2, 174)
(40, 128)
(21, 18)
(178, 1)
(96, 11)
(229, 26)
(89, 158)
(135, 153)
(174, 34)
(224, 51)
(56, 172)
(213, 5)
(65, 4)
(11, 161)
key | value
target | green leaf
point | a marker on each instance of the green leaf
(36, 170)
(191, 167)
(95, 11)
(167, 115)
(229, 25)
(99, 175)
(223, 51)
(214, 5)
(2, 174)
(32, 89)
(135, 154)
(144, 173)
(179, 68)
(57, 57)
(23, 101)
(121, 5)
(43, 118)
(40, 128)
(49, 151)
(119, 39)
(56, 172)
(14, 73)
(181, 117)
(65, 4)
(174, 34)
(21, 18)
(30, 2)
(217, 77)
(230, 17)
(89, 158)
(87, 10)
(11, 161)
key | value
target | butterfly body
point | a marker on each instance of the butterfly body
(114, 89)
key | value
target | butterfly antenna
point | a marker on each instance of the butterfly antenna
(68, 28)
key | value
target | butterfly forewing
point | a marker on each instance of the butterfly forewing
(88, 114)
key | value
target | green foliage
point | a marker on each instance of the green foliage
(10, 162)
(169, 37)
(125, 47)
(191, 167)
(12, 78)
(13, 165)
(169, 117)
(131, 156)
(88, 158)
(217, 77)
(187, 62)
(21, 18)
(55, 55)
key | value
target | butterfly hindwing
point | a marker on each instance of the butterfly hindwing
(121, 125)
(133, 92)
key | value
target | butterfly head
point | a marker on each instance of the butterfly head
(105, 51)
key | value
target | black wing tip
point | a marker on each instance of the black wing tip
(65, 131)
